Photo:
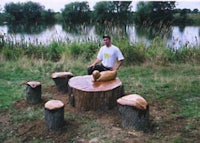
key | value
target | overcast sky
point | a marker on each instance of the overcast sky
(57, 5)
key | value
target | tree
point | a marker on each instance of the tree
(195, 11)
(154, 12)
(14, 12)
(122, 10)
(32, 11)
(29, 12)
(48, 16)
(102, 12)
(112, 11)
(76, 12)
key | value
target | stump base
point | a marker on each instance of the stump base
(133, 118)
(33, 92)
(61, 80)
(134, 112)
(54, 114)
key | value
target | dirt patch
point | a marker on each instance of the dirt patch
(164, 125)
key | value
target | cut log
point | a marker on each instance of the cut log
(61, 80)
(134, 112)
(33, 92)
(54, 114)
(90, 95)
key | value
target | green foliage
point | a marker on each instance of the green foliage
(54, 51)
(76, 12)
(154, 12)
(28, 12)
(85, 50)
(2, 17)
(11, 53)
(157, 52)
(112, 11)
(75, 49)
(134, 54)
(48, 16)
(51, 52)
(187, 55)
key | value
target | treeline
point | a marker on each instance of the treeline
(28, 12)
(104, 12)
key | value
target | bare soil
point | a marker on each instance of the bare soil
(165, 127)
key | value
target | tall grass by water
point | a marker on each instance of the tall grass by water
(135, 53)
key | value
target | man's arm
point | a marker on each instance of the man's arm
(94, 63)
(117, 65)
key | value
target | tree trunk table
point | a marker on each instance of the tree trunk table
(90, 95)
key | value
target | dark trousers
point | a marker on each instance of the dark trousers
(98, 67)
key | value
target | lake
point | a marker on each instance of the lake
(176, 36)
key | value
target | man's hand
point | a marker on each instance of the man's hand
(91, 66)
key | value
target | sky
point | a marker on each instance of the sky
(57, 5)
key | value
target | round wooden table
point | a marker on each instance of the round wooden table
(90, 95)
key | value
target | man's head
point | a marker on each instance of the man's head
(106, 36)
(107, 40)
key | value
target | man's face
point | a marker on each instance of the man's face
(106, 41)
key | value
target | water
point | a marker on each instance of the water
(176, 37)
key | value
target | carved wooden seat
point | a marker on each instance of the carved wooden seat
(33, 92)
(54, 114)
(61, 80)
(134, 111)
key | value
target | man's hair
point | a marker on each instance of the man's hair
(106, 36)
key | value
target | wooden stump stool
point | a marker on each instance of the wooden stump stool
(134, 111)
(61, 80)
(54, 114)
(33, 92)
(90, 95)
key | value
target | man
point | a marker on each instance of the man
(109, 57)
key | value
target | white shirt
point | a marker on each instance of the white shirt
(109, 55)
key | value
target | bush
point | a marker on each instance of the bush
(54, 51)
(11, 53)
(158, 53)
(134, 54)
(187, 55)
(84, 50)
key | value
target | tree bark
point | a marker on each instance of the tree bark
(89, 95)
(33, 92)
(61, 80)
(54, 114)
(134, 118)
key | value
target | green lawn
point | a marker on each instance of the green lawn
(173, 92)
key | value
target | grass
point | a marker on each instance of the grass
(173, 87)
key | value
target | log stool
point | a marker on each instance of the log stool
(134, 111)
(54, 114)
(33, 92)
(61, 80)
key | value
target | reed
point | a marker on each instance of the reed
(136, 53)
